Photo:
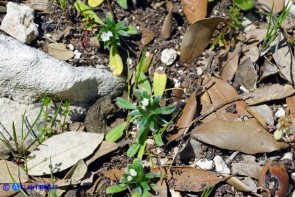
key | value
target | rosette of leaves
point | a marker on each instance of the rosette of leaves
(136, 180)
(147, 116)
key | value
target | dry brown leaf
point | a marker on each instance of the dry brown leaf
(239, 185)
(247, 136)
(278, 5)
(269, 93)
(194, 10)
(291, 105)
(246, 169)
(162, 189)
(262, 113)
(229, 65)
(147, 36)
(197, 38)
(253, 53)
(105, 148)
(167, 24)
(221, 92)
(179, 176)
(59, 51)
(267, 69)
(186, 118)
(246, 75)
(255, 36)
(206, 106)
(114, 174)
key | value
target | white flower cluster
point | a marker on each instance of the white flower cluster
(144, 103)
(133, 173)
(105, 36)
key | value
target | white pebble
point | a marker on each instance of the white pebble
(71, 47)
(48, 35)
(288, 156)
(129, 61)
(280, 112)
(293, 176)
(292, 9)
(199, 71)
(77, 54)
(205, 164)
(244, 89)
(168, 56)
(220, 165)
(180, 72)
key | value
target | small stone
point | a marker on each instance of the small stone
(77, 54)
(199, 71)
(288, 156)
(220, 165)
(245, 90)
(280, 113)
(19, 22)
(71, 47)
(293, 176)
(129, 61)
(168, 56)
(205, 164)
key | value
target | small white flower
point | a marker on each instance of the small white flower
(105, 36)
(129, 178)
(145, 102)
(132, 172)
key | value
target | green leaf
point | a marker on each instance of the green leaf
(123, 103)
(158, 139)
(116, 133)
(159, 83)
(244, 4)
(116, 64)
(138, 190)
(86, 10)
(141, 150)
(166, 110)
(131, 30)
(95, 3)
(144, 84)
(133, 150)
(116, 189)
(145, 185)
(123, 4)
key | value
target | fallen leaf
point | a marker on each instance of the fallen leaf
(7, 168)
(147, 36)
(229, 65)
(105, 148)
(252, 52)
(77, 172)
(291, 106)
(262, 113)
(206, 105)
(186, 117)
(116, 64)
(271, 172)
(267, 69)
(40, 5)
(285, 61)
(114, 174)
(197, 38)
(216, 89)
(239, 185)
(269, 93)
(195, 10)
(87, 11)
(159, 82)
(255, 36)
(246, 169)
(59, 51)
(179, 176)
(193, 149)
(95, 3)
(167, 24)
(63, 151)
(247, 136)
(278, 5)
(246, 75)
(161, 188)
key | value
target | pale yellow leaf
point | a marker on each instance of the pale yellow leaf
(116, 64)
(95, 3)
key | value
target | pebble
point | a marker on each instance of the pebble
(77, 54)
(220, 165)
(199, 71)
(288, 156)
(293, 176)
(168, 56)
(71, 47)
(205, 164)
(280, 113)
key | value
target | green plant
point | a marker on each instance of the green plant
(123, 4)
(274, 24)
(147, 116)
(60, 3)
(283, 128)
(235, 11)
(207, 192)
(136, 181)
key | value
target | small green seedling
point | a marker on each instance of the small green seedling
(235, 11)
(123, 4)
(136, 181)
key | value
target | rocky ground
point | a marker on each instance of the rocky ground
(226, 66)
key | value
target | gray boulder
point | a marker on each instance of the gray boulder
(27, 74)
(19, 22)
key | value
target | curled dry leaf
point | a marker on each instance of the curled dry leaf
(59, 51)
(229, 65)
(262, 113)
(178, 178)
(269, 93)
(147, 36)
(105, 148)
(186, 118)
(247, 136)
(194, 9)
(167, 24)
(197, 38)
(278, 5)
(246, 75)
(274, 179)
(239, 185)
(216, 89)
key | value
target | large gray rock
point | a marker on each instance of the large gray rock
(19, 22)
(27, 74)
